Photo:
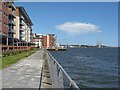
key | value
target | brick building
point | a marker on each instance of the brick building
(48, 41)
(7, 22)
(3, 23)
(11, 23)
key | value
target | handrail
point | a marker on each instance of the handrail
(72, 84)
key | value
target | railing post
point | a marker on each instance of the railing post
(57, 74)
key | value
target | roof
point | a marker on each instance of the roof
(38, 34)
(25, 14)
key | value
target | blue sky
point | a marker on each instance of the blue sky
(75, 23)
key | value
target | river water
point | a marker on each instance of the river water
(90, 67)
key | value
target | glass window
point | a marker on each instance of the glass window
(6, 5)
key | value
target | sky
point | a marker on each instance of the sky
(75, 22)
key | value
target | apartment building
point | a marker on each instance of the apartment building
(15, 25)
(48, 41)
(23, 27)
(32, 38)
(38, 40)
(11, 23)
(3, 23)
(7, 22)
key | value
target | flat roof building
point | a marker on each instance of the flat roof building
(7, 22)
(3, 22)
(11, 23)
(48, 41)
(15, 25)
(23, 26)
(38, 40)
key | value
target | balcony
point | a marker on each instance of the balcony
(21, 17)
(11, 12)
(21, 35)
(11, 22)
(21, 29)
(11, 30)
(10, 36)
(22, 23)
(12, 5)
(3, 35)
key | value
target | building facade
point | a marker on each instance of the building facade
(32, 38)
(7, 22)
(23, 27)
(3, 23)
(11, 23)
(15, 25)
(38, 40)
(48, 41)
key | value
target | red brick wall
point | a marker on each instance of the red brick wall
(32, 39)
(4, 18)
(51, 41)
(44, 41)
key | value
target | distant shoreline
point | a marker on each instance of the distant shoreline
(94, 47)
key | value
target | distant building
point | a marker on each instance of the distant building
(38, 40)
(48, 41)
(32, 39)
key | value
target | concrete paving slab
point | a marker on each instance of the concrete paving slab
(24, 74)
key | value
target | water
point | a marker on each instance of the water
(90, 67)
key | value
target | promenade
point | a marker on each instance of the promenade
(24, 74)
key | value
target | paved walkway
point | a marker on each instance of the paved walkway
(24, 74)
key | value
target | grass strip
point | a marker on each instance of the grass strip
(9, 60)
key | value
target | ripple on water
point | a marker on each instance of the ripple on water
(90, 67)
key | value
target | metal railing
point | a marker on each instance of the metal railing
(12, 30)
(12, 22)
(60, 79)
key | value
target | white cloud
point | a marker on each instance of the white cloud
(78, 28)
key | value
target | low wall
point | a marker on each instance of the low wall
(6, 48)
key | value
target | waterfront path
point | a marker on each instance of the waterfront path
(24, 74)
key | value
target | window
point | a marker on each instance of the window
(5, 5)
(6, 15)
(4, 23)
